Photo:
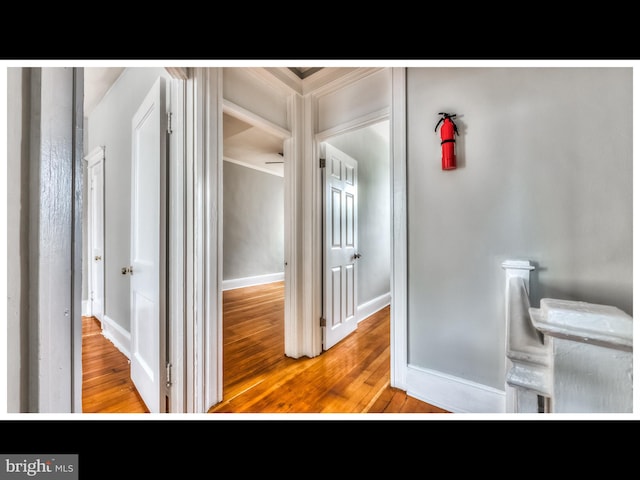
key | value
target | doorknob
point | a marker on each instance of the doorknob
(126, 270)
(356, 256)
(97, 258)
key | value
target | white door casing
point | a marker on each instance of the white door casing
(95, 214)
(340, 177)
(148, 247)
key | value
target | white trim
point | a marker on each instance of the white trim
(453, 394)
(356, 124)
(292, 149)
(251, 118)
(192, 241)
(117, 335)
(254, 167)
(213, 235)
(328, 80)
(399, 315)
(322, 82)
(176, 261)
(280, 78)
(286, 76)
(95, 155)
(178, 73)
(311, 234)
(93, 159)
(204, 240)
(86, 308)
(55, 334)
(198, 254)
(372, 306)
(234, 283)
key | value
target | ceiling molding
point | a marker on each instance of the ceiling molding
(281, 78)
(330, 79)
(304, 72)
(253, 166)
(181, 73)
(254, 120)
(372, 118)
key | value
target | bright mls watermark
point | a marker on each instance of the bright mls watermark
(51, 467)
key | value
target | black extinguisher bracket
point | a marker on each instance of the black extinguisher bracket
(448, 131)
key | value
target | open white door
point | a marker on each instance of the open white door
(148, 247)
(95, 172)
(340, 245)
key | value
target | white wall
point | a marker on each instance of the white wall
(110, 125)
(545, 175)
(371, 150)
(364, 97)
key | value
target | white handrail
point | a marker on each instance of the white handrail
(566, 356)
(528, 377)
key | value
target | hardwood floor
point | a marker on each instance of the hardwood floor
(352, 377)
(106, 380)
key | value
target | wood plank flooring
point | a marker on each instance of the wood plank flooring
(352, 377)
(106, 380)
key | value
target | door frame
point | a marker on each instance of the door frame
(320, 138)
(284, 135)
(303, 204)
(203, 253)
(399, 258)
(94, 158)
(312, 196)
(179, 346)
(55, 305)
(396, 115)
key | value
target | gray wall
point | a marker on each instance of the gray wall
(253, 219)
(374, 209)
(110, 125)
(546, 175)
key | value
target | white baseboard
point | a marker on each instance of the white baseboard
(117, 335)
(372, 306)
(453, 394)
(251, 281)
(86, 311)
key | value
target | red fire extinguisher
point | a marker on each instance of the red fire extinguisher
(447, 133)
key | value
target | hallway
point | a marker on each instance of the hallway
(351, 377)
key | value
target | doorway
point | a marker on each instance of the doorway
(127, 121)
(369, 251)
(95, 234)
(253, 246)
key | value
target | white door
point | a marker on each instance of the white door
(95, 172)
(148, 247)
(340, 245)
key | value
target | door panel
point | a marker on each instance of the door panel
(340, 245)
(148, 227)
(96, 234)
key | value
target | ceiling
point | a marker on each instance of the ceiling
(97, 82)
(251, 146)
